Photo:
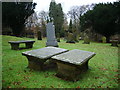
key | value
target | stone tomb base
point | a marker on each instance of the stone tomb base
(37, 59)
(35, 63)
(71, 72)
(71, 64)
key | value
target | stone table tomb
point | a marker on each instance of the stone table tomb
(36, 58)
(15, 44)
(72, 63)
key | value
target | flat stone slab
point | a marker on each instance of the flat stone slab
(22, 41)
(45, 53)
(75, 56)
(72, 63)
(15, 44)
(37, 58)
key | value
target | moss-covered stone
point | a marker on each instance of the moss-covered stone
(86, 40)
(39, 35)
(104, 39)
(70, 38)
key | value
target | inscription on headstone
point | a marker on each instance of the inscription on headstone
(51, 39)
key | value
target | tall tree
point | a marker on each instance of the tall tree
(70, 26)
(57, 16)
(104, 19)
(43, 17)
(14, 15)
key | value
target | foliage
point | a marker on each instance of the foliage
(103, 72)
(43, 19)
(104, 39)
(57, 16)
(14, 15)
(70, 26)
(104, 19)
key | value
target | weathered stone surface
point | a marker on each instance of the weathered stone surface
(22, 41)
(51, 39)
(37, 58)
(15, 44)
(71, 64)
(75, 56)
(67, 72)
(86, 40)
(114, 43)
(45, 53)
(70, 38)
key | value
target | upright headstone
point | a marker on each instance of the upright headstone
(51, 39)
(39, 35)
(70, 38)
(103, 39)
(86, 40)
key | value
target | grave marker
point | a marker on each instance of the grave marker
(51, 39)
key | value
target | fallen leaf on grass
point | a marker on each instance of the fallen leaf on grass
(115, 70)
(8, 87)
(112, 66)
(16, 83)
(116, 75)
(103, 82)
(43, 86)
(26, 78)
(98, 86)
(78, 87)
(96, 77)
(23, 87)
(46, 76)
(10, 69)
(103, 68)
(3, 80)
(52, 86)
(59, 85)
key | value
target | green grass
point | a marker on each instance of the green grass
(103, 72)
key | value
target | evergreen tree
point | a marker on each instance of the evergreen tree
(104, 19)
(14, 15)
(70, 26)
(56, 16)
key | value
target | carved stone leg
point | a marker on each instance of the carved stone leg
(35, 63)
(29, 44)
(14, 46)
(84, 66)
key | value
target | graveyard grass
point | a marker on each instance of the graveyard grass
(103, 72)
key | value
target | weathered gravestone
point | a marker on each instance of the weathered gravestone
(72, 63)
(70, 38)
(39, 35)
(114, 43)
(103, 39)
(86, 40)
(51, 39)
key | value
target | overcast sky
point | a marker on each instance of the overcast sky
(66, 4)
